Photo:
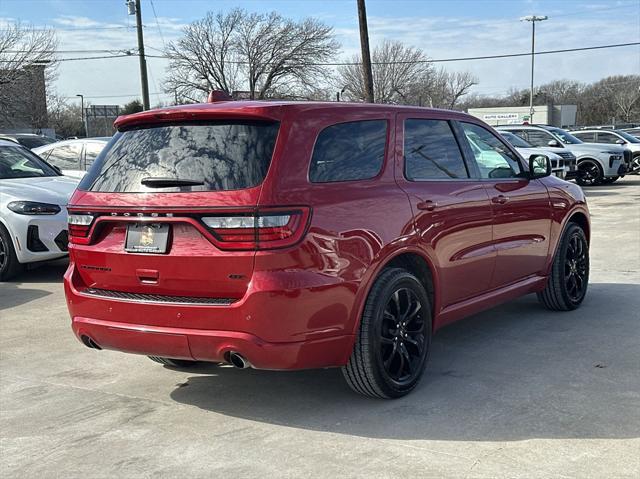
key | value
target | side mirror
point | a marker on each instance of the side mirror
(539, 166)
(554, 143)
(620, 141)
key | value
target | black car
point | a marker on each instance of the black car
(28, 140)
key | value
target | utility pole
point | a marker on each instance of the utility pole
(134, 8)
(533, 19)
(366, 55)
(84, 125)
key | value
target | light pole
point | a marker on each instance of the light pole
(84, 127)
(533, 19)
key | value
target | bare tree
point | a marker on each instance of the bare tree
(206, 57)
(64, 117)
(397, 69)
(24, 53)
(443, 89)
(267, 53)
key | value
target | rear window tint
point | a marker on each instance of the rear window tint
(349, 151)
(223, 155)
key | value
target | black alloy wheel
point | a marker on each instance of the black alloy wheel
(567, 285)
(3, 254)
(576, 267)
(591, 173)
(402, 336)
(394, 338)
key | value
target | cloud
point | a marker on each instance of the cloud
(439, 37)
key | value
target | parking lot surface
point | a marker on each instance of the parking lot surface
(516, 391)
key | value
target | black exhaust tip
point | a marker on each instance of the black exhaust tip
(90, 343)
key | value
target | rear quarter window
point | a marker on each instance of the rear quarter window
(349, 151)
(225, 155)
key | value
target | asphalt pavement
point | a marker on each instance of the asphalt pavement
(514, 392)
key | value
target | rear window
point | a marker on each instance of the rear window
(349, 151)
(229, 155)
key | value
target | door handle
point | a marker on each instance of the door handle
(500, 199)
(427, 205)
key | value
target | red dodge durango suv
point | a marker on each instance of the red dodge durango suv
(289, 235)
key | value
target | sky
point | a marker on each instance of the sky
(442, 28)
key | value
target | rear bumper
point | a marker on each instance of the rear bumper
(272, 329)
(212, 345)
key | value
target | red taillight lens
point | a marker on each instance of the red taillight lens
(262, 229)
(79, 227)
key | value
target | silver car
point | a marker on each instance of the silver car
(597, 163)
(33, 215)
(562, 167)
(615, 137)
(73, 157)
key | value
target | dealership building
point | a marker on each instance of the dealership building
(556, 115)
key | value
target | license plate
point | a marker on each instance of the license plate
(147, 238)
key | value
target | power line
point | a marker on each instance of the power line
(153, 8)
(458, 59)
(437, 60)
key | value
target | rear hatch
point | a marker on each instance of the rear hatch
(169, 210)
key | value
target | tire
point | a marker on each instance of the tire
(174, 363)
(634, 168)
(611, 179)
(397, 311)
(569, 278)
(591, 173)
(9, 265)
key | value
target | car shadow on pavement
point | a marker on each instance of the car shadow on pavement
(514, 372)
(14, 293)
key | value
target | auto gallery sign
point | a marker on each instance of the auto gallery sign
(501, 117)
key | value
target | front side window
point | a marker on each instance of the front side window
(349, 151)
(66, 157)
(214, 156)
(538, 138)
(564, 136)
(431, 151)
(91, 152)
(493, 157)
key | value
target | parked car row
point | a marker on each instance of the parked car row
(614, 137)
(597, 163)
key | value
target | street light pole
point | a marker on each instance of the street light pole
(84, 126)
(134, 8)
(533, 19)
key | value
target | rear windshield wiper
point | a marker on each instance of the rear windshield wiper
(169, 182)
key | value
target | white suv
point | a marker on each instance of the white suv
(597, 163)
(615, 137)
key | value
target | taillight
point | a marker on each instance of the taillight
(262, 229)
(79, 227)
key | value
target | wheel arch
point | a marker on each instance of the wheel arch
(582, 220)
(411, 259)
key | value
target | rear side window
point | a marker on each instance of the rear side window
(431, 151)
(227, 155)
(349, 151)
(66, 157)
(586, 136)
(538, 138)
